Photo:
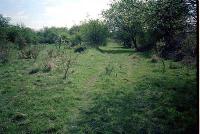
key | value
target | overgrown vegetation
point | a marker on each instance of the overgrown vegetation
(141, 24)
(132, 72)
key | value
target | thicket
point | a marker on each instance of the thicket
(136, 24)
(141, 24)
(94, 33)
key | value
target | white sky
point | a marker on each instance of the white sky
(39, 13)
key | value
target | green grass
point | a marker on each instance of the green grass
(111, 90)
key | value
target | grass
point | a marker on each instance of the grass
(111, 90)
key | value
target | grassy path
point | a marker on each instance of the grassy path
(112, 90)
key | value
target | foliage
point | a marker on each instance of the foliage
(48, 35)
(125, 18)
(74, 29)
(67, 62)
(29, 53)
(138, 99)
(140, 24)
(166, 19)
(4, 23)
(189, 46)
(4, 55)
(76, 39)
(94, 32)
(22, 36)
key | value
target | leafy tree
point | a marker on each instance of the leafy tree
(4, 23)
(125, 18)
(48, 35)
(21, 35)
(74, 29)
(167, 20)
(52, 35)
(76, 39)
(94, 32)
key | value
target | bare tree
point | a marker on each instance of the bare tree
(67, 62)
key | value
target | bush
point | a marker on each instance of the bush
(123, 37)
(75, 40)
(145, 41)
(154, 59)
(109, 69)
(94, 33)
(22, 36)
(174, 65)
(4, 51)
(29, 53)
(46, 67)
(4, 54)
(189, 46)
(52, 35)
(21, 42)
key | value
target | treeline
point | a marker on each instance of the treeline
(168, 26)
(92, 32)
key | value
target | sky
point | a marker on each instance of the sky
(37, 14)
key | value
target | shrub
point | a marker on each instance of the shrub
(74, 29)
(109, 69)
(4, 54)
(75, 39)
(4, 51)
(174, 65)
(154, 59)
(21, 42)
(67, 61)
(50, 53)
(94, 33)
(46, 67)
(189, 61)
(50, 35)
(22, 36)
(145, 41)
(189, 47)
(29, 53)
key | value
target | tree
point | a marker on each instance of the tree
(75, 39)
(74, 29)
(94, 32)
(4, 23)
(167, 20)
(125, 17)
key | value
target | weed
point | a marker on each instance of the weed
(109, 69)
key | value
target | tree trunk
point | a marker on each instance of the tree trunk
(134, 43)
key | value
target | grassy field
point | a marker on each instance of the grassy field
(110, 90)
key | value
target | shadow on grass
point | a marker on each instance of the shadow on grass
(146, 54)
(115, 51)
(122, 47)
(154, 106)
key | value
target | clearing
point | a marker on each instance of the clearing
(111, 90)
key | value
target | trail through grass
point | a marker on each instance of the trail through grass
(111, 90)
